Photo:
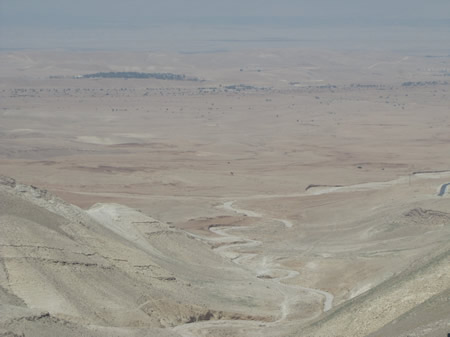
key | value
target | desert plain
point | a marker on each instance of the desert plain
(272, 192)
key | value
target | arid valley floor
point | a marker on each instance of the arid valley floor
(282, 193)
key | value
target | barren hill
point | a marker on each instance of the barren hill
(112, 270)
(415, 301)
(113, 267)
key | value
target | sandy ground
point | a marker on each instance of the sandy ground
(294, 192)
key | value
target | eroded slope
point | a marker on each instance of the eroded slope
(113, 267)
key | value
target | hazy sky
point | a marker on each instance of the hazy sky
(54, 11)
(20, 20)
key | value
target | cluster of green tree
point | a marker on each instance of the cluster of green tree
(239, 87)
(326, 86)
(358, 85)
(133, 74)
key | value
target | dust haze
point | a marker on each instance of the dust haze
(205, 26)
(204, 168)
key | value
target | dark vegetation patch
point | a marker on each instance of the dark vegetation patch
(133, 74)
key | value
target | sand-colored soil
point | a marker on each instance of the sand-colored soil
(301, 194)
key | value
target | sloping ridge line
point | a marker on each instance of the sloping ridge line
(410, 272)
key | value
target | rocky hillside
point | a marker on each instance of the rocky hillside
(413, 303)
(65, 271)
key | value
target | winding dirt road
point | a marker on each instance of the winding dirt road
(265, 269)
(290, 273)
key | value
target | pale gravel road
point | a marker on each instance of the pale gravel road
(328, 304)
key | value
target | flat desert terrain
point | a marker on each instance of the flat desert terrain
(268, 193)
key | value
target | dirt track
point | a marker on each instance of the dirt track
(263, 268)
(291, 273)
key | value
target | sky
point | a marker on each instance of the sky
(53, 11)
(26, 23)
